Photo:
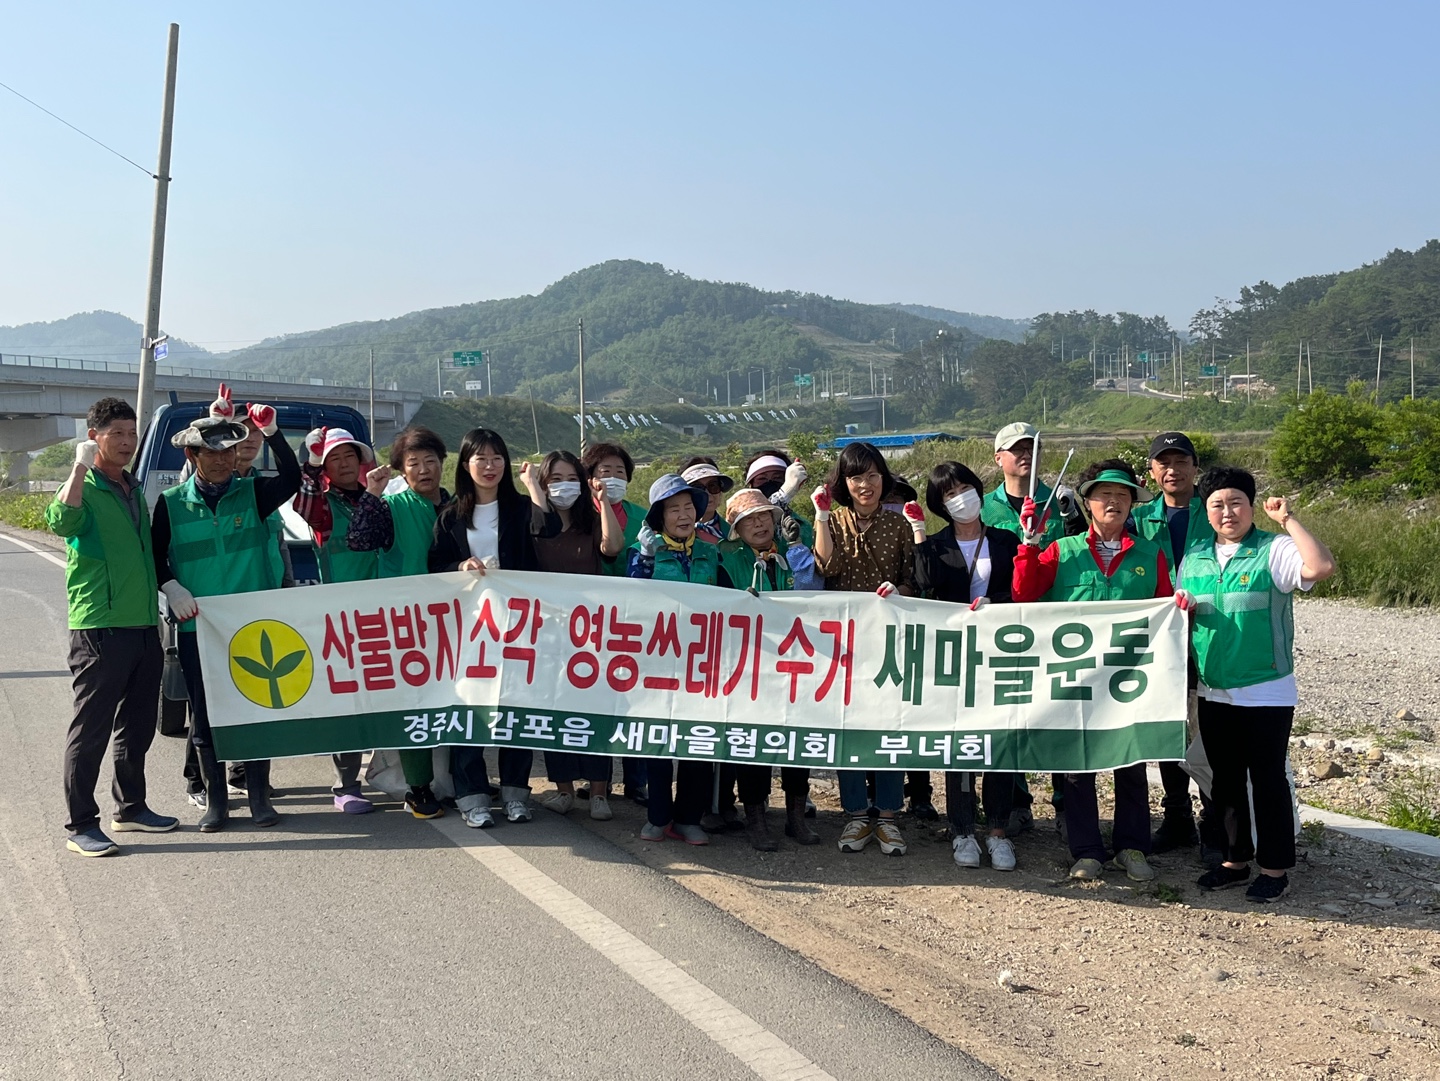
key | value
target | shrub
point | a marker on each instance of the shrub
(1329, 438)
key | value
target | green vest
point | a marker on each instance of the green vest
(414, 519)
(1243, 628)
(337, 562)
(1078, 576)
(1150, 521)
(109, 568)
(738, 559)
(228, 550)
(616, 565)
(704, 565)
(995, 510)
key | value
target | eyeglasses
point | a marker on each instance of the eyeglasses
(711, 486)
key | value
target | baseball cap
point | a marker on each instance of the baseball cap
(1011, 434)
(1173, 441)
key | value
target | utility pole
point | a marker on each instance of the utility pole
(438, 392)
(580, 334)
(145, 393)
(1299, 368)
(1378, 355)
(1247, 371)
(1309, 369)
(536, 423)
(489, 377)
(372, 396)
(1412, 369)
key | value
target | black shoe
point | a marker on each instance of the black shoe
(1267, 888)
(1175, 832)
(1223, 878)
(582, 791)
(924, 810)
(422, 802)
(257, 791)
(217, 798)
(638, 794)
(1211, 857)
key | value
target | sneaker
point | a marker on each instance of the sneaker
(196, 799)
(967, 852)
(691, 835)
(559, 802)
(638, 794)
(1267, 888)
(517, 810)
(478, 818)
(1176, 831)
(1132, 861)
(351, 804)
(422, 802)
(600, 808)
(147, 821)
(892, 841)
(1002, 853)
(92, 842)
(857, 834)
(1086, 870)
(582, 792)
(924, 810)
(652, 832)
(1223, 878)
(1022, 820)
(235, 789)
(1212, 858)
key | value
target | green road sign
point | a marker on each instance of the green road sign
(467, 358)
(1144, 358)
(804, 380)
(1209, 369)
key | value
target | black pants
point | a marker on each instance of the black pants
(693, 784)
(116, 680)
(997, 796)
(1249, 743)
(754, 782)
(189, 649)
(1132, 813)
(562, 767)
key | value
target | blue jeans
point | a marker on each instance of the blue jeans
(472, 778)
(889, 790)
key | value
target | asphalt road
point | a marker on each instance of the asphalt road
(377, 945)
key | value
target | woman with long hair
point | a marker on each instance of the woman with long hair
(488, 525)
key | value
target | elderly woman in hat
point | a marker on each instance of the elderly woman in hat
(1105, 564)
(210, 538)
(778, 478)
(667, 551)
(702, 471)
(754, 559)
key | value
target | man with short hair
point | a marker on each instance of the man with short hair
(1174, 525)
(1014, 454)
(115, 655)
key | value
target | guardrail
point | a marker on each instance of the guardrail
(23, 360)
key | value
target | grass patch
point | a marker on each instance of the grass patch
(1381, 556)
(1303, 726)
(24, 511)
(1417, 810)
(1167, 893)
(1313, 833)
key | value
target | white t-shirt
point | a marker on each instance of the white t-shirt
(977, 558)
(483, 536)
(1285, 570)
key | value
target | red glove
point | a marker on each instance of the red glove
(979, 603)
(887, 589)
(263, 417)
(914, 514)
(315, 443)
(222, 406)
(1184, 600)
(820, 497)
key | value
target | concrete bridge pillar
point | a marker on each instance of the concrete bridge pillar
(20, 435)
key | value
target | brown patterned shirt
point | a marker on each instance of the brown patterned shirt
(884, 552)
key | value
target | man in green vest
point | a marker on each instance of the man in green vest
(331, 494)
(115, 656)
(210, 538)
(1173, 524)
(1014, 454)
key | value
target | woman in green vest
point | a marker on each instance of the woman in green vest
(1240, 588)
(1105, 564)
(210, 538)
(754, 558)
(666, 550)
(418, 456)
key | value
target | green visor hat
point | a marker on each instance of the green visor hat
(1115, 476)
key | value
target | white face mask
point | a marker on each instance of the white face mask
(564, 493)
(964, 506)
(615, 488)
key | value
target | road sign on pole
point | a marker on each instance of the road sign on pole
(1208, 371)
(804, 380)
(162, 350)
(1143, 358)
(467, 358)
(474, 384)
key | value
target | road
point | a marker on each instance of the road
(378, 945)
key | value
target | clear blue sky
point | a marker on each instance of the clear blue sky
(336, 162)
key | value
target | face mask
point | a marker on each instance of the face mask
(563, 494)
(615, 488)
(770, 487)
(963, 506)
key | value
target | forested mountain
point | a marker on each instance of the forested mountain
(652, 335)
(95, 335)
(984, 326)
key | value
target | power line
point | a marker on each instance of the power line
(72, 127)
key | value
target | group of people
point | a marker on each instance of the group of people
(217, 532)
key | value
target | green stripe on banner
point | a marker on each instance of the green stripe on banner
(1022, 750)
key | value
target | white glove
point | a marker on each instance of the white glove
(979, 603)
(649, 541)
(887, 589)
(795, 476)
(85, 452)
(182, 602)
(820, 499)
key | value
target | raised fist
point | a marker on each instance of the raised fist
(795, 475)
(913, 514)
(315, 444)
(263, 417)
(820, 499)
(85, 452)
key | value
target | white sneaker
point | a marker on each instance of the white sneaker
(559, 802)
(1002, 853)
(480, 818)
(967, 852)
(517, 810)
(600, 808)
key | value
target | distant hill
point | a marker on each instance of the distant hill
(95, 335)
(653, 336)
(983, 326)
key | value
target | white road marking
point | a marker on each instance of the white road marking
(51, 556)
(736, 1031)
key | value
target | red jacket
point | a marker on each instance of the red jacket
(1035, 570)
